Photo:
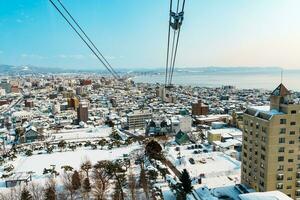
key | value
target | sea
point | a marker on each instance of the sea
(268, 80)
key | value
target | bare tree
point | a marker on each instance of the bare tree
(36, 190)
(132, 185)
(67, 184)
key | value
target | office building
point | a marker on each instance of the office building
(137, 119)
(82, 112)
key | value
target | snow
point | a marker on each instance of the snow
(272, 195)
(218, 168)
(84, 133)
(73, 159)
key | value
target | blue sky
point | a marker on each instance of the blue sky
(133, 33)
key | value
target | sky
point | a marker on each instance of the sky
(133, 33)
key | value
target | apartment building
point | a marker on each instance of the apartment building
(270, 154)
(137, 119)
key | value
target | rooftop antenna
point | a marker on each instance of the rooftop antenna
(281, 76)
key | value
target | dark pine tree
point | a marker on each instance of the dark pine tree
(25, 194)
(186, 181)
(76, 182)
(86, 185)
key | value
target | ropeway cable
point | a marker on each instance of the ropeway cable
(86, 43)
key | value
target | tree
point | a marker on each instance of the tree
(186, 181)
(86, 186)
(132, 185)
(62, 144)
(25, 194)
(50, 191)
(67, 184)
(153, 150)
(76, 182)
(86, 166)
(102, 143)
(67, 168)
(152, 175)
(102, 173)
(36, 190)
(144, 182)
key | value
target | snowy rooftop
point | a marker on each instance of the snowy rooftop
(234, 132)
(272, 195)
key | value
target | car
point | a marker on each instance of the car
(177, 148)
(205, 151)
(192, 161)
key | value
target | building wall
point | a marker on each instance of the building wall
(261, 168)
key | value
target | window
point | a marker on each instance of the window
(291, 151)
(279, 186)
(280, 168)
(262, 157)
(282, 131)
(288, 187)
(280, 177)
(292, 132)
(280, 158)
(257, 126)
(293, 123)
(281, 149)
(290, 169)
(292, 142)
(293, 112)
(289, 178)
(282, 121)
(290, 160)
(281, 140)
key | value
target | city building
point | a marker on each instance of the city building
(73, 103)
(199, 108)
(270, 154)
(29, 103)
(137, 119)
(82, 112)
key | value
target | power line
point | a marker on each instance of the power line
(108, 64)
(86, 43)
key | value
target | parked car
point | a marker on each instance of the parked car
(192, 161)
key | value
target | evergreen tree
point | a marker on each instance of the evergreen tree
(186, 181)
(76, 183)
(25, 194)
(153, 150)
(86, 185)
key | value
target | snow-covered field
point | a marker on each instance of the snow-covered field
(37, 163)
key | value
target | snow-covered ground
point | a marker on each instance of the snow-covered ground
(81, 134)
(37, 162)
(217, 168)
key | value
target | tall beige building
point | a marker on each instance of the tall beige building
(271, 142)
